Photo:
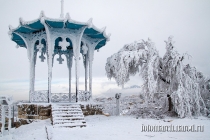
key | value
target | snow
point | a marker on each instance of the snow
(110, 128)
(170, 74)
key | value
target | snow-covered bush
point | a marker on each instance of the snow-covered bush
(172, 75)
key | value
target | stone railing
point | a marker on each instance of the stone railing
(64, 97)
(59, 97)
(83, 95)
(42, 96)
(39, 96)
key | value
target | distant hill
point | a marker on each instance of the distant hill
(132, 90)
(133, 86)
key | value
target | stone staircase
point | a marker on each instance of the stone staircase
(67, 115)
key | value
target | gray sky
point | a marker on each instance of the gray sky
(127, 20)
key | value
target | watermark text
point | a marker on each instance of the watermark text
(172, 128)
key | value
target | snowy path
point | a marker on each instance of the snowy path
(129, 128)
(112, 128)
(33, 131)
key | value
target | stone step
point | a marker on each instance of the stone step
(74, 113)
(67, 118)
(68, 121)
(64, 104)
(70, 125)
(72, 109)
(67, 115)
(60, 107)
(67, 105)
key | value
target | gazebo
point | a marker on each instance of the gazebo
(64, 37)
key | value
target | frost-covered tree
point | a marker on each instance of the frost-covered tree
(170, 74)
(183, 82)
(127, 61)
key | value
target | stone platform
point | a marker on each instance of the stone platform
(41, 111)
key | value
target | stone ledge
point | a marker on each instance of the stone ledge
(92, 109)
(34, 111)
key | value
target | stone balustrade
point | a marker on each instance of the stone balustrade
(42, 96)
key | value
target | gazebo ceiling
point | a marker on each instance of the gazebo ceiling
(37, 26)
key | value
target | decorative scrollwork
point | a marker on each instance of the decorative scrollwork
(39, 96)
(59, 97)
(42, 96)
(64, 97)
(73, 97)
(83, 95)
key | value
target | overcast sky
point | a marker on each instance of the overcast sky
(127, 21)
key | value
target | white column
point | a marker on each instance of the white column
(92, 43)
(69, 82)
(50, 52)
(69, 64)
(30, 42)
(76, 51)
(49, 73)
(90, 76)
(32, 75)
(77, 76)
(9, 117)
(32, 71)
(2, 119)
(90, 58)
(86, 71)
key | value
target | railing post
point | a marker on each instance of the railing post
(117, 96)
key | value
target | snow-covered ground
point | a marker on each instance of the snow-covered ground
(111, 128)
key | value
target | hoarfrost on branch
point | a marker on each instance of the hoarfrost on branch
(172, 75)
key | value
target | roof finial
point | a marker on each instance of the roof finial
(62, 15)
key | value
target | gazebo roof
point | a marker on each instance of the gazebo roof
(37, 26)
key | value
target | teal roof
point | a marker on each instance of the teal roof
(91, 31)
(18, 40)
(73, 25)
(100, 44)
(55, 24)
(37, 26)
